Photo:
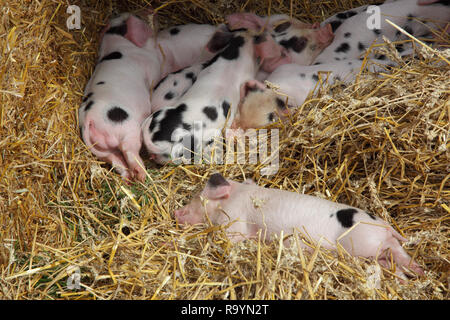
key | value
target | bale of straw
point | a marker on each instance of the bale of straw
(381, 144)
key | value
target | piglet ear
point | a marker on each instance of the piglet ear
(217, 187)
(251, 85)
(283, 108)
(271, 63)
(325, 34)
(138, 31)
(220, 39)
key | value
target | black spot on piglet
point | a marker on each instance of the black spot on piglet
(346, 15)
(117, 114)
(174, 31)
(282, 27)
(87, 97)
(399, 47)
(411, 16)
(88, 106)
(371, 215)
(344, 47)
(112, 56)
(186, 126)
(280, 103)
(408, 29)
(154, 121)
(225, 108)
(231, 52)
(169, 95)
(217, 180)
(192, 76)
(121, 30)
(210, 112)
(443, 2)
(345, 217)
(219, 40)
(335, 25)
(361, 46)
(171, 121)
(295, 43)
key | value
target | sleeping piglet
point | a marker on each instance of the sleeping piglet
(117, 97)
(354, 32)
(260, 106)
(198, 117)
(255, 208)
(301, 42)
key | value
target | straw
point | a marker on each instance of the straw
(380, 144)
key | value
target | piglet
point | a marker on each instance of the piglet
(260, 106)
(173, 86)
(250, 208)
(117, 99)
(354, 32)
(301, 42)
(211, 102)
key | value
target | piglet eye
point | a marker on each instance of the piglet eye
(271, 117)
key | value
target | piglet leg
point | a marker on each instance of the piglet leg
(118, 163)
(130, 149)
(401, 257)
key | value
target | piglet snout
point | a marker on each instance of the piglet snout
(179, 213)
(182, 217)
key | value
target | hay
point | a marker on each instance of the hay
(381, 144)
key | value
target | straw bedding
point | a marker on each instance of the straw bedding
(381, 144)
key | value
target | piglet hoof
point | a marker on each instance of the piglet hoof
(127, 180)
(139, 174)
(415, 268)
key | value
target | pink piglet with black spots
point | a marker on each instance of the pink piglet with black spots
(250, 208)
(117, 96)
